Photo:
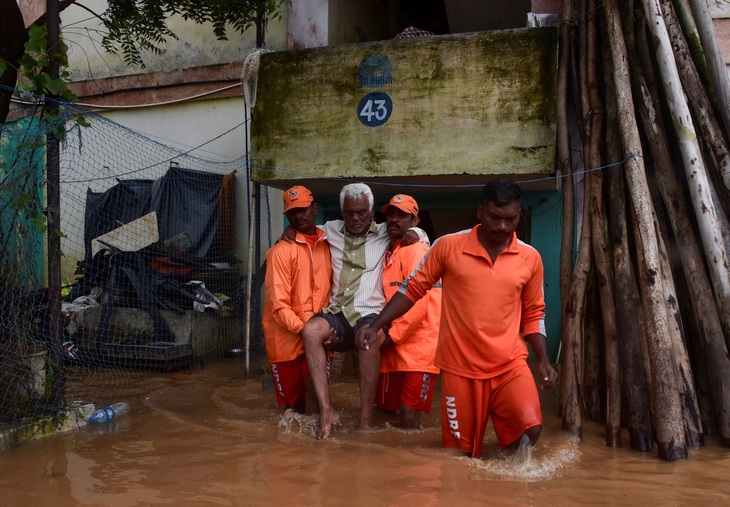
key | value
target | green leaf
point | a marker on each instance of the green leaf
(42, 80)
(28, 62)
(81, 120)
(56, 86)
(37, 39)
(37, 32)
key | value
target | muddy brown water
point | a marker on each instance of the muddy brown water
(209, 436)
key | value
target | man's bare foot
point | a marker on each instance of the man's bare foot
(327, 418)
(366, 421)
(409, 418)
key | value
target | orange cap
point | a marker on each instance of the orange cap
(297, 197)
(403, 202)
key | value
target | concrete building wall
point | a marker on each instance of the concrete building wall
(196, 47)
(308, 24)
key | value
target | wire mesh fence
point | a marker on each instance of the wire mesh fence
(152, 266)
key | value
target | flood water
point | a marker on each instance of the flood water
(209, 436)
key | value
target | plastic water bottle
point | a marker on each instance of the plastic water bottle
(108, 413)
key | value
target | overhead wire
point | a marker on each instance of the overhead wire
(279, 170)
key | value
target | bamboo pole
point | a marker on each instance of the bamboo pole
(589, 372)
(697, 178)
(53, 217)
(572, 366)
(593, 372)
(571, 372)
(599, 243)
(249, 80)
(678, 213)
(628, 305)
(670, 437)
(715, 63)
(565, 162)
(249, 282)
(628, 312)
(694, 42)
(608, 311)
(683, 372)
(701, 107)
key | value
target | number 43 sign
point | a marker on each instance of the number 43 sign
(374, 109)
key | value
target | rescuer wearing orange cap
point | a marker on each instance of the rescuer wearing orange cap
(298, 277)
(397, 373)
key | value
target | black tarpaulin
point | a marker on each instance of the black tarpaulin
(185, 200)
(188, 204)
(105, 211)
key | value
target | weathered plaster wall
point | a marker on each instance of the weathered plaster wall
(196, 47)
(31, 10)
(475, 103)
(307, 24)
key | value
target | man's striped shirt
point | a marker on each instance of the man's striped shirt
(357, 269)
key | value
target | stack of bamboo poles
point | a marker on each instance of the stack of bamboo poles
(645, 276)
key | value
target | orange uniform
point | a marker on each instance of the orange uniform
(486, 307)
(415, 334)
(298, 279)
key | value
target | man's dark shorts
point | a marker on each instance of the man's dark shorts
(345, 332)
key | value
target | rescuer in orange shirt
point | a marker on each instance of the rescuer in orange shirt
(492, 304)
(404, 357)
(298, 280)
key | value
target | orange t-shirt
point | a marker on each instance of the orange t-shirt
(486, 307)
(415, 334)
(297, 282)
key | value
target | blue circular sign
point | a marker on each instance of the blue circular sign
(374, 109)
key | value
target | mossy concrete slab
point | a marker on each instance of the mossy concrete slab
(72, 417)
(467, 104)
